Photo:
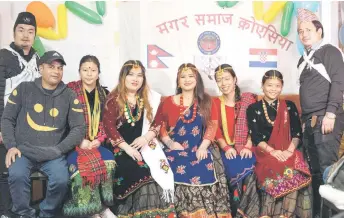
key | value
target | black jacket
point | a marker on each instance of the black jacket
(9, 67)
(317, 95)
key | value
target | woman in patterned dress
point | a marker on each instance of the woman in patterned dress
(143, 180)
(187, 124)
(283, 175)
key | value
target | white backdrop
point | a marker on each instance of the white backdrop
(83, 38)
(135, 22)
(235, 43)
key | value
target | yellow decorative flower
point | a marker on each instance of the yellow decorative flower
(288, 172)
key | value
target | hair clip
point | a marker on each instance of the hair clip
(220, 71)
(273, 76)
(134, 65)
(186, 68)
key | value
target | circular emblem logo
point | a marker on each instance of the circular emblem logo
(208, 42)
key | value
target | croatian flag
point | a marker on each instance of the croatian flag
(266, 58)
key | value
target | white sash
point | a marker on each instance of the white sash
(318, 67)
(155, 158)
(309, 62)
(29, 73)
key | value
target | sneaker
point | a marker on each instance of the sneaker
(108, 214)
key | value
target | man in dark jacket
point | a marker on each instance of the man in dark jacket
(18, 62)
(42, 121)
(321, 71)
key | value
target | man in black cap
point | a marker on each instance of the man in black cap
(18, 62)
(42, 121)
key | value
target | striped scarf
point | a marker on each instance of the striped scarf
(90, 163)
(241, 128)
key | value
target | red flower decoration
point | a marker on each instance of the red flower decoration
(116, 150)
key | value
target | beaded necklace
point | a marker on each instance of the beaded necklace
(266, 112)
(127, 111)
(181, 111)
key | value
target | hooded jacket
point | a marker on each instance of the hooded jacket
(42, 126)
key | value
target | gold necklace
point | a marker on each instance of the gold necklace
(93, 117)
(224, 122)
(266, 112)
(127, 111)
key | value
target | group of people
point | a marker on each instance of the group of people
(130, 153)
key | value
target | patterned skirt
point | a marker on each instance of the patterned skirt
(244, 197)
(211, 201)
(82, 200)
(241, 178)
(249, 204)
(145, 202)
(294, 205)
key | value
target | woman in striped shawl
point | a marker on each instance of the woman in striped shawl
(235, 143)
(91, 166)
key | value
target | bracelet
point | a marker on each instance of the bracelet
(226, 148)
(154, 131)
(101, 139)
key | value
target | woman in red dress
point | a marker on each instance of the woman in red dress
(283, 175)
(187, 124)
(236, 146)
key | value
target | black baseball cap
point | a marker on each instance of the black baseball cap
(51, 56)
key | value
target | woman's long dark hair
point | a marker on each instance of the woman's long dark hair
(203, 99)
(228, 68)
